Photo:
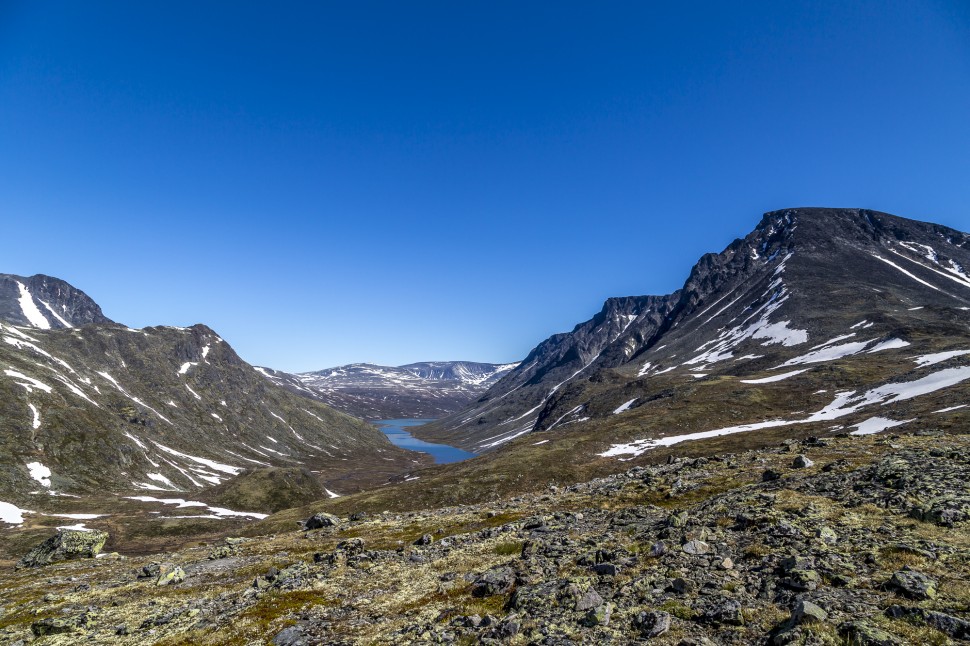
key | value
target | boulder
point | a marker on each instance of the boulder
(169, 574)
(696, 547)
(318, 521)
(912, 584)
(807, 612)
(65, 545)
(863, 633)
(497, 580)
(652, 624)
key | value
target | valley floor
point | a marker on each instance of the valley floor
(865, 542)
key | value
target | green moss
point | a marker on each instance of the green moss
(508, 548)
(678, 610)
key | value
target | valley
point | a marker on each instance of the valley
(802, 401)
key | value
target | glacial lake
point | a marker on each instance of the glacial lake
(396, 431)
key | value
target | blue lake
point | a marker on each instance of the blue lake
(396, 431)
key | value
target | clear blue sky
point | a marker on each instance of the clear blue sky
(333, 182)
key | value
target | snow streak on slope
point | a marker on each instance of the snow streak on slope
(755, 326)
(845, 403)
(30, 309)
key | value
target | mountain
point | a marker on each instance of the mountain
(46, 303)
(425, 390)
(89, 407)
(819, 319)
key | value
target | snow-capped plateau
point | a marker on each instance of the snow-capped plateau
(425, 390)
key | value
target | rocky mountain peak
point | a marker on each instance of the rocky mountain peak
(46, 302)
(803, 280)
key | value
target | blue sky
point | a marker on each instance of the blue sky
(391, 182)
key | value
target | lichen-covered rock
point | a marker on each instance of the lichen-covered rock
(600, 615)
(321, 520)
(914, 585)
(807, 612)
(497, 580)
(863, 633)
(65, 545)
(652, 624)
(169, 574)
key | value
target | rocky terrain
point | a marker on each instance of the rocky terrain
(813, 299)
(847, 540)
(426, 390)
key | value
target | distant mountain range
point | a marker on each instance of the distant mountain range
(425, 390)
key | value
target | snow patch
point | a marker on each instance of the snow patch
(888, 344)
(40, 473)
(892, 264)
(828, 353)
(12, 514)
(938, 357)
(75, 528)
(877, 424)
(36, 413)
(951, 408)
(224, 468)
(158, 477)
(60, 318)
(31, 312)
(28, 382)
(625, 406)
(774, 378)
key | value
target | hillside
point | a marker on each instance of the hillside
(98, 419)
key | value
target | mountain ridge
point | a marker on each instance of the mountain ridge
(102, 420)
(420, 390)
(810, 249)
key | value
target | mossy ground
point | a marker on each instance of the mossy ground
(373, 600)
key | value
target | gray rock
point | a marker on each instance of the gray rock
(52, 626)
(696, 547)
(318, 521)
(682, 586)
(807, 612)
(954, 627)
(863, 633)
(588, 601)
(599, 616)
(169, 574)
(606, 569)
(497, 580)
(912, 584)
(65, 545)
(802, 462)
(292, 636)
(725, 612)
(652, 624)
